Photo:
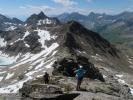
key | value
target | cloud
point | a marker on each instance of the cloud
(30, 9)
(37, 8)
(66, 3)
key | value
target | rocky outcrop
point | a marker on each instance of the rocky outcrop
(63, 88)
(41, 91)
(66, 66)
(32, 41)
(41, 20)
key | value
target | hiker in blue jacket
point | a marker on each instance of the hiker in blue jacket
(79, 75)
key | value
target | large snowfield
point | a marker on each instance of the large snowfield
(36, 63)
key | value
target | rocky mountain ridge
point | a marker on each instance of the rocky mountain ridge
(7, 24)
(41, 19)
(34, 48)
(115, 28)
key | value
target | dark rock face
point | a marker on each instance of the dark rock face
(18, 44)
(34, 19)
(17, 47)
(93, 38)
(32, 40)
(71, 43)
(66, 66)
(76, 37)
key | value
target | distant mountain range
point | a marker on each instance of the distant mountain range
(115, 28)
(9, 23)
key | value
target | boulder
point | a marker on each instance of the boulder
(40, 91)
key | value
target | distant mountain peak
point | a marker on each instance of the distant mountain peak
(17, 21)
(41, 15)
(41, 19)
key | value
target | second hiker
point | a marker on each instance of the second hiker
(46, 78)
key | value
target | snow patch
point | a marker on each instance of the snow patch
(1, 78)
(26, 34)
(49, 66)
(122, 81)
(54, 37)
(104, 76)
(45, 21)
(39, 76)
(81, 51)
(9, 23)
(33, 57)
(120, 76)
(11, 28)
(97, 57)
(2, 42)
(30, 67)
(131, 90)
(25, 25)
(3, 72)
(37, 61)
(15, 41)
(27, 45)
(54, 53)
(130, 62)
(44, 35)
(13, 88)
(9, 75)
(39, 66)
(99, 17)
(25, 57)
(30, 73)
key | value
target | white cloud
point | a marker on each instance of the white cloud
(66, 3)
(31, 8)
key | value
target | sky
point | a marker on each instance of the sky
(24, 8)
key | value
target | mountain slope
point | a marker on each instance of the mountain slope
(34, 50)
(115, 28)
(7, 24)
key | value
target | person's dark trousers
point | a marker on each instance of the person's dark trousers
(79, 81)
(46, 81)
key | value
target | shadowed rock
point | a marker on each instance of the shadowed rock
(66, 66)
